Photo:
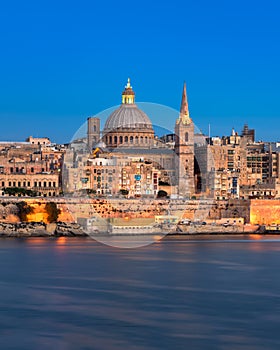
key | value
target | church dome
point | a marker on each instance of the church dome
(128, 126)
(128, 115)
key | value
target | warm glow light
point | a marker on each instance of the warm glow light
(60, 242)
(255, 237)
(157, 237)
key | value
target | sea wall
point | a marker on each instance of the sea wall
(265, 212)
(254, 211)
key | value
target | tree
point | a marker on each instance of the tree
(52, 211)
(24, 210)
(124, 192)
(19, 191)
(161, 194)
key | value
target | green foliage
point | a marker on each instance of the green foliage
(124, 192)
(52, 211)
(18, 191)
(24, 210)
(163, 183)
(162, 194)
(91, 191)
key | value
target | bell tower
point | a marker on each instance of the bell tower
(93, 131)
(184, 149)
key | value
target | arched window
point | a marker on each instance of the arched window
(131, 139)
(146, 139)
(126, 139)
(110, 140)
(136, 139)
(115, 139)
(121, 139)
(186, 137)
(187, 166)
(94, 128)
(141, 139)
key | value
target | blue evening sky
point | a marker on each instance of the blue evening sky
(62, 61)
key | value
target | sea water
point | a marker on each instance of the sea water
(70, 293)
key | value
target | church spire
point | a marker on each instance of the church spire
(184, 110)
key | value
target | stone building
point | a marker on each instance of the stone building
(229, 167)
(127, 135)
(244, 168)
(30, 168)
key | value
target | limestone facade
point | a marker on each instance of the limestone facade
(30, 166)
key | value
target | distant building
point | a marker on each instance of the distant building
(30, 168)
(127, 156)
(128, 135)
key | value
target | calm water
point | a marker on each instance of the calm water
(175, 294)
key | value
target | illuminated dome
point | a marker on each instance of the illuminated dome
(128, 125)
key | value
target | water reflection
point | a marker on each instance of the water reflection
(176, 294)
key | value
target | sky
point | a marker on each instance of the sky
(62, 61)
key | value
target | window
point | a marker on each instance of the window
(186, 137)
(126, 139)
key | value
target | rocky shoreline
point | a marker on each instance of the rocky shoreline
(63, 229)
(39, 229)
